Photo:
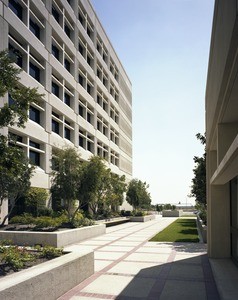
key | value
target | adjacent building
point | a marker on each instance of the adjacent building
(64, 51)
(222, 133)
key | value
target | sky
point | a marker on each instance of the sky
(164, 48)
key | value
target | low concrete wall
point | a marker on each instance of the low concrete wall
(172, 213)
(48, 280)
(56, 239)
(142, 218)
(202, 229)
(114, 221)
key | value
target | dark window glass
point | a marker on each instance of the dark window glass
(34, 144)
(55, 52)
(67, 65)
(16, 8)
(55, 126)
(55, 14)
(16, 55)
(34, 71)
(81, 108)
(10, 100)
(80, 18)
(81, 48)
(55, 89)
(67, 99)
(81, 141)
(89, 117)
(89, 32)
(35, 158)
(67, 122)
(89, 89)
(89, 60)
(67, 30)
(81, 79)
(55, 114)
(89, 146)
(35, 29)
(34, 114)
(67, 133)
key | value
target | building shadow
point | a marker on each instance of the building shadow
(186, 279)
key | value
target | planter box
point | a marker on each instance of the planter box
(172, 213)
(56, 239)
(142, 219)
(114, 221)
(202, 229)
(48, 280)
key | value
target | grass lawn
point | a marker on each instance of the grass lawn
(181, 230)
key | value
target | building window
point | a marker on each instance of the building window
(55, 14)
(34, 71)
(55, 52)
(34, 114)
(67, 65)
(35, 145)
(67, 30)
(81, 141)
(55, 89)
(10, 100)
(55, 126)
(67, 99)
(81, 79)
(35, 29)
(35, 158)
(67, 133)
(16, 8)
(81, 48)
(89, 119)
(90, 146)
(89, 89)
(81, 110)
(16, 55)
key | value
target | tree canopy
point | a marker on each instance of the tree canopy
(137, 194)
(15, 170)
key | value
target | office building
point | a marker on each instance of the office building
(64, 51)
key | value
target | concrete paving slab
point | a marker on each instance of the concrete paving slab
(188, 258)
(125, 243)
(151, 257)
(185, 271)
(117, 248)
(79, 248)
(143, 269)
(158, 250)
(101, 264)
(184, 290)
(108, 255)
(123, 285)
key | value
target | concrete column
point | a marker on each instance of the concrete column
(219, 221)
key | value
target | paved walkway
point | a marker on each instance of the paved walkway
(128, 267)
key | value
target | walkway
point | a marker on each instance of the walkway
(128, 267)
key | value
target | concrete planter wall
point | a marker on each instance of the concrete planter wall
(172, 213)
(202, 229)
(56, 239)
(142, 218)
(48, 280)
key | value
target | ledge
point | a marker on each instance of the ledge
(55, 239)
(172, 213)
(142, 218)
(48, 280)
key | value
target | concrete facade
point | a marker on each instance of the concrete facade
(87, 103)
(222, 133)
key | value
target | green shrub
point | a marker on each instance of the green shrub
(139, 213)
(50, 252)
(44, 222)
(22, 219)
(126, 213)
(16, 258)
(80, 221)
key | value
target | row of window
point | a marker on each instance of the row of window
(36, 151)
(35, 22)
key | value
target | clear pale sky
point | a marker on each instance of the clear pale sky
(164, 48)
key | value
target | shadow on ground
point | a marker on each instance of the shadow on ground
(182, 279)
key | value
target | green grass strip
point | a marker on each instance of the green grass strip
(181, 230)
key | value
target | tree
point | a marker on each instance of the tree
(15, 170)
(137, 194)
(66, 178)
(198, 188)
(116, 191)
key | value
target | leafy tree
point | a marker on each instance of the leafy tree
(66, 178)
(116, 191)
(137, 194)
(198, 188)
(15, 171)
(94, 182)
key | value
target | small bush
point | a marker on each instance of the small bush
(44, 222)
(50, 252)
(126, 213)
(139, 213)
(22, 219)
